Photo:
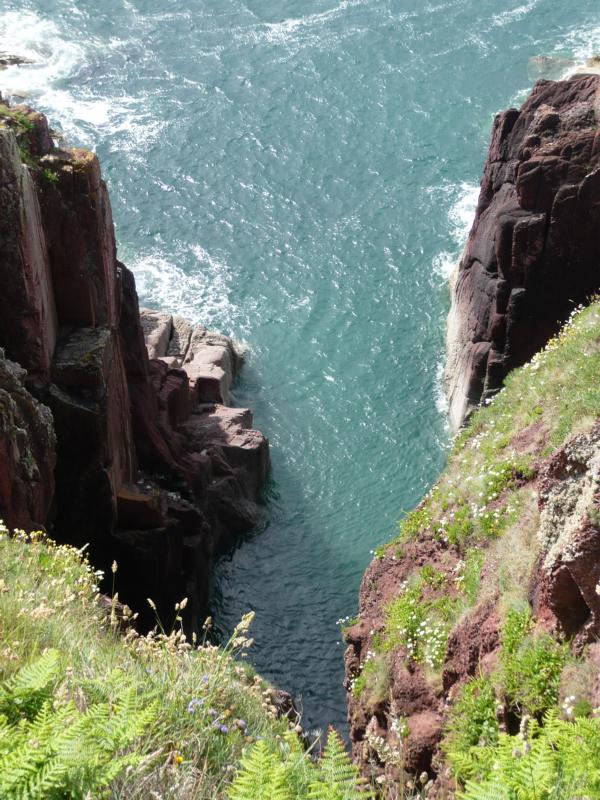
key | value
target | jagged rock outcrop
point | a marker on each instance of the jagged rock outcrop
(533, 253)
(152, 468)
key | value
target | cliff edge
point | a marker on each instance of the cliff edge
(533, 253)
(117, 432)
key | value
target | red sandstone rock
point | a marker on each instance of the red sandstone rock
(533, 252)
(28, 321)
(69, 313)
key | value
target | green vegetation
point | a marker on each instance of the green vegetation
(88, 711)
(472, 727)
(418, 624)
(23, 126)
(54, 748)
(16, 118)
(532, 664)
(557, 761)
(554, 396)
(480, 522)
(282, 772)
(50, 175)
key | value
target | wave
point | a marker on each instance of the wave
(506, 17)
(582, 44)
(202, 294)
(461, 214)
(24, 33)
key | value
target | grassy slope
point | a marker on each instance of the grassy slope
(48, 599)
(483, 510)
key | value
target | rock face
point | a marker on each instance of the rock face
(533, 253)
(116, 430)
(564, 587)
(27, 451)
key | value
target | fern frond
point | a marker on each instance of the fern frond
(38, 675)
(261, 776)
(338, 778)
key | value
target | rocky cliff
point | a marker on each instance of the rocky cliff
(482, 618)
(533, 253)
(116, 429)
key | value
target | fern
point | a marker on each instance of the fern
(62, 752)
(288, 774)
(27, 690)
(559, 761)
(337, 778)
(262, 776)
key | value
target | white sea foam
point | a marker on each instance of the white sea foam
(201, 294)
(57, 58)
(23, 33)
(298, 31)
(441, 400)
(582, 44)
(462, 212)
(460, 218)
(506, 17)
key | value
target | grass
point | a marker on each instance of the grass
(209, 704)
(557, 394)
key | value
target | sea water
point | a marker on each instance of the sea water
(300, 174)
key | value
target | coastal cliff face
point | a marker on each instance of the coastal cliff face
(117, 430)
(484, 613)
(533, 253)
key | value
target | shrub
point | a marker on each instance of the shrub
(285, 773)
(50, 748)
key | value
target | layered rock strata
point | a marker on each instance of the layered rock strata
(533, 253)
(153, 468)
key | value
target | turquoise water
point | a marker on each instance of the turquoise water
(300, 174)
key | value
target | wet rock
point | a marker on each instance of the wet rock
(10, 60)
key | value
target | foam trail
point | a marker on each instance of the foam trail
(506, 17)
(460, 218)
